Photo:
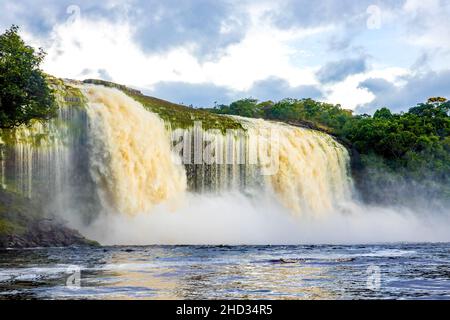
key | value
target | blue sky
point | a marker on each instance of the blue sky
(361, 54)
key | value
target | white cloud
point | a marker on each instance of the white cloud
(429, 23)
(94, 45)
(348, 92)
(263, 53)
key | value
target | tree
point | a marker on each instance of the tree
(24, 93)
(383, 113)
(246, 108)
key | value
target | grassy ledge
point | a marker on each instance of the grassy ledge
(177, 115)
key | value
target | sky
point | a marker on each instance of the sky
(362, 54)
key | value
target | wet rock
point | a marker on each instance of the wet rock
(284, 261)
(45, 233)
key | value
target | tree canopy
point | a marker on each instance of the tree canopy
(24, 93)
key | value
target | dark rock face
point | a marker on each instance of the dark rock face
(24, 224)
(45, 233)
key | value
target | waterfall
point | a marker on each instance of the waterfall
(310, 171)
(38, 159)
(131, 161)
(307, 170)
(112, 155)
(216, 161)
(121, 175)
(46, 161)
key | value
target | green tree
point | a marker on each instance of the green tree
(383, 113)
(246, 108)
(24, 93)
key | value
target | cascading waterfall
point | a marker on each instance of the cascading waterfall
(135, 169)
(134, 161)
(121, 175)
(131, 160)
(38, 160)
(47, 162)
(309, 169)
(110, 157)
(216, 161)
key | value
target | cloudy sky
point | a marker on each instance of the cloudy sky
(361, 54)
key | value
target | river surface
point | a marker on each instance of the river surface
(397, 271)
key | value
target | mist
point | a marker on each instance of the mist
(235, 219)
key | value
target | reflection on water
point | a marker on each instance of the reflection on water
(245, 272)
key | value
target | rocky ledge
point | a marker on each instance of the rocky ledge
(45, 233)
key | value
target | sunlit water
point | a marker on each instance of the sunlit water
(407, 271)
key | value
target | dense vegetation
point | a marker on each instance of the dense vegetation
(24, 93)
(394, 154)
